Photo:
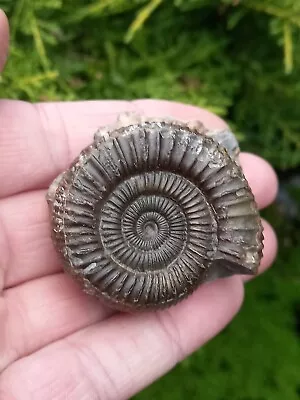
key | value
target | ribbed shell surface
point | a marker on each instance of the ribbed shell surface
(147, 215)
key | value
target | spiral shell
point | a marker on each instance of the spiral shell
(150, 211)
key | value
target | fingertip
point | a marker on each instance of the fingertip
(261, 177)
(4, 38)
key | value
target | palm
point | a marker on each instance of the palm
(55, 341)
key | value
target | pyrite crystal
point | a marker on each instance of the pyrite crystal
(152, 209)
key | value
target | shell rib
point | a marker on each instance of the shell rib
(150, 211)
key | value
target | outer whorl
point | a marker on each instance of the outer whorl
(152, 210)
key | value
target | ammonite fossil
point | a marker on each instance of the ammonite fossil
(152, 209)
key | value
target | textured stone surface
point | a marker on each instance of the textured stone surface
(150, 211)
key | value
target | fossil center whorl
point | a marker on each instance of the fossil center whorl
(150, 211)
(151, 220)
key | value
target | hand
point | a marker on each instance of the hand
(55, 341)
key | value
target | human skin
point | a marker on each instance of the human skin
(55, 341)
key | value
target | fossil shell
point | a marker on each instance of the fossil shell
(153, 209)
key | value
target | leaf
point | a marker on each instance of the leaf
(288, 48)
(141, 18)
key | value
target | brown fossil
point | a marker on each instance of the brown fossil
(151, 210)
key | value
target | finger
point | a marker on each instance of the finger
(118, 358)
(4, 38)
(42, 311)
(180, 111)
(24, 219)
(269, 251)
(41, 297)
(27, 250)
(261, 178)
(38, 141)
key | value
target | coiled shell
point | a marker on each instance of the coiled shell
(150, 211)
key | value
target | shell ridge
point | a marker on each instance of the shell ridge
(146, 215)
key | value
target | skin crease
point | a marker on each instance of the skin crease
(77, 347)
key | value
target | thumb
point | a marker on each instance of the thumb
(4, 39)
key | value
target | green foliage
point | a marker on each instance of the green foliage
(238, 58)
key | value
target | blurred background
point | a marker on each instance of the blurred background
(237, 58)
